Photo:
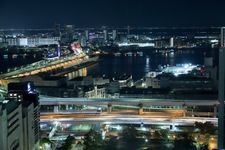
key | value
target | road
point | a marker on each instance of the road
(125, 119)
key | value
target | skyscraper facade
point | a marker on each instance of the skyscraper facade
(25, 94)
(11, 126)
(222, 41)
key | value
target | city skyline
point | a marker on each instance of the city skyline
(115, 74)
(42, 14)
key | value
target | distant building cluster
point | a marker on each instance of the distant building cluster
(31, 41)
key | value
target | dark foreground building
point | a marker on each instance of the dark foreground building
(221, 133)
(19, 116)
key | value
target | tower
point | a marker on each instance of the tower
(221, 89)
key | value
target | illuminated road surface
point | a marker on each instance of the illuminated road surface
(43, 66)
(126, 119)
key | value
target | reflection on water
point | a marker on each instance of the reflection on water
(139, 66)
(77, 73)
(147, 66)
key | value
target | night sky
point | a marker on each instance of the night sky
(114, 13)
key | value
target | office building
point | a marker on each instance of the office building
(222, 37)
(25, 94)
(11, 126)
(221, 140)
(68, 33)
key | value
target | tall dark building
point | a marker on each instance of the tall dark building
(25, 94)
(57, 31)
(222, 41)
(11, 126)
(221, 133)
(68, 33)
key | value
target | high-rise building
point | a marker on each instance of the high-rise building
(114, 34)
(105, 34)
(171, 42)
(11, 126)
(221, 88)
(68, 32)
(87, 34)
(222, 37)
(57, 31)
(25, 94)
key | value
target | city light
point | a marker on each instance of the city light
(180, 69)
(123, 85)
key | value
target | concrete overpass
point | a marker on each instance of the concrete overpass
(133, 103)
(44, 66)
(125, 101)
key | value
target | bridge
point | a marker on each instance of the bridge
(43, 66)
(125, 101)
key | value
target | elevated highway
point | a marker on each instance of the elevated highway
(43, 66)
(125, 101)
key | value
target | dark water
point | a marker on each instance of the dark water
(138, 66)
(9, 62)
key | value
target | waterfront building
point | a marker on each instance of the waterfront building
(32, 41)
(152, 82)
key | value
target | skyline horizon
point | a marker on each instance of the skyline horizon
(116, 27)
